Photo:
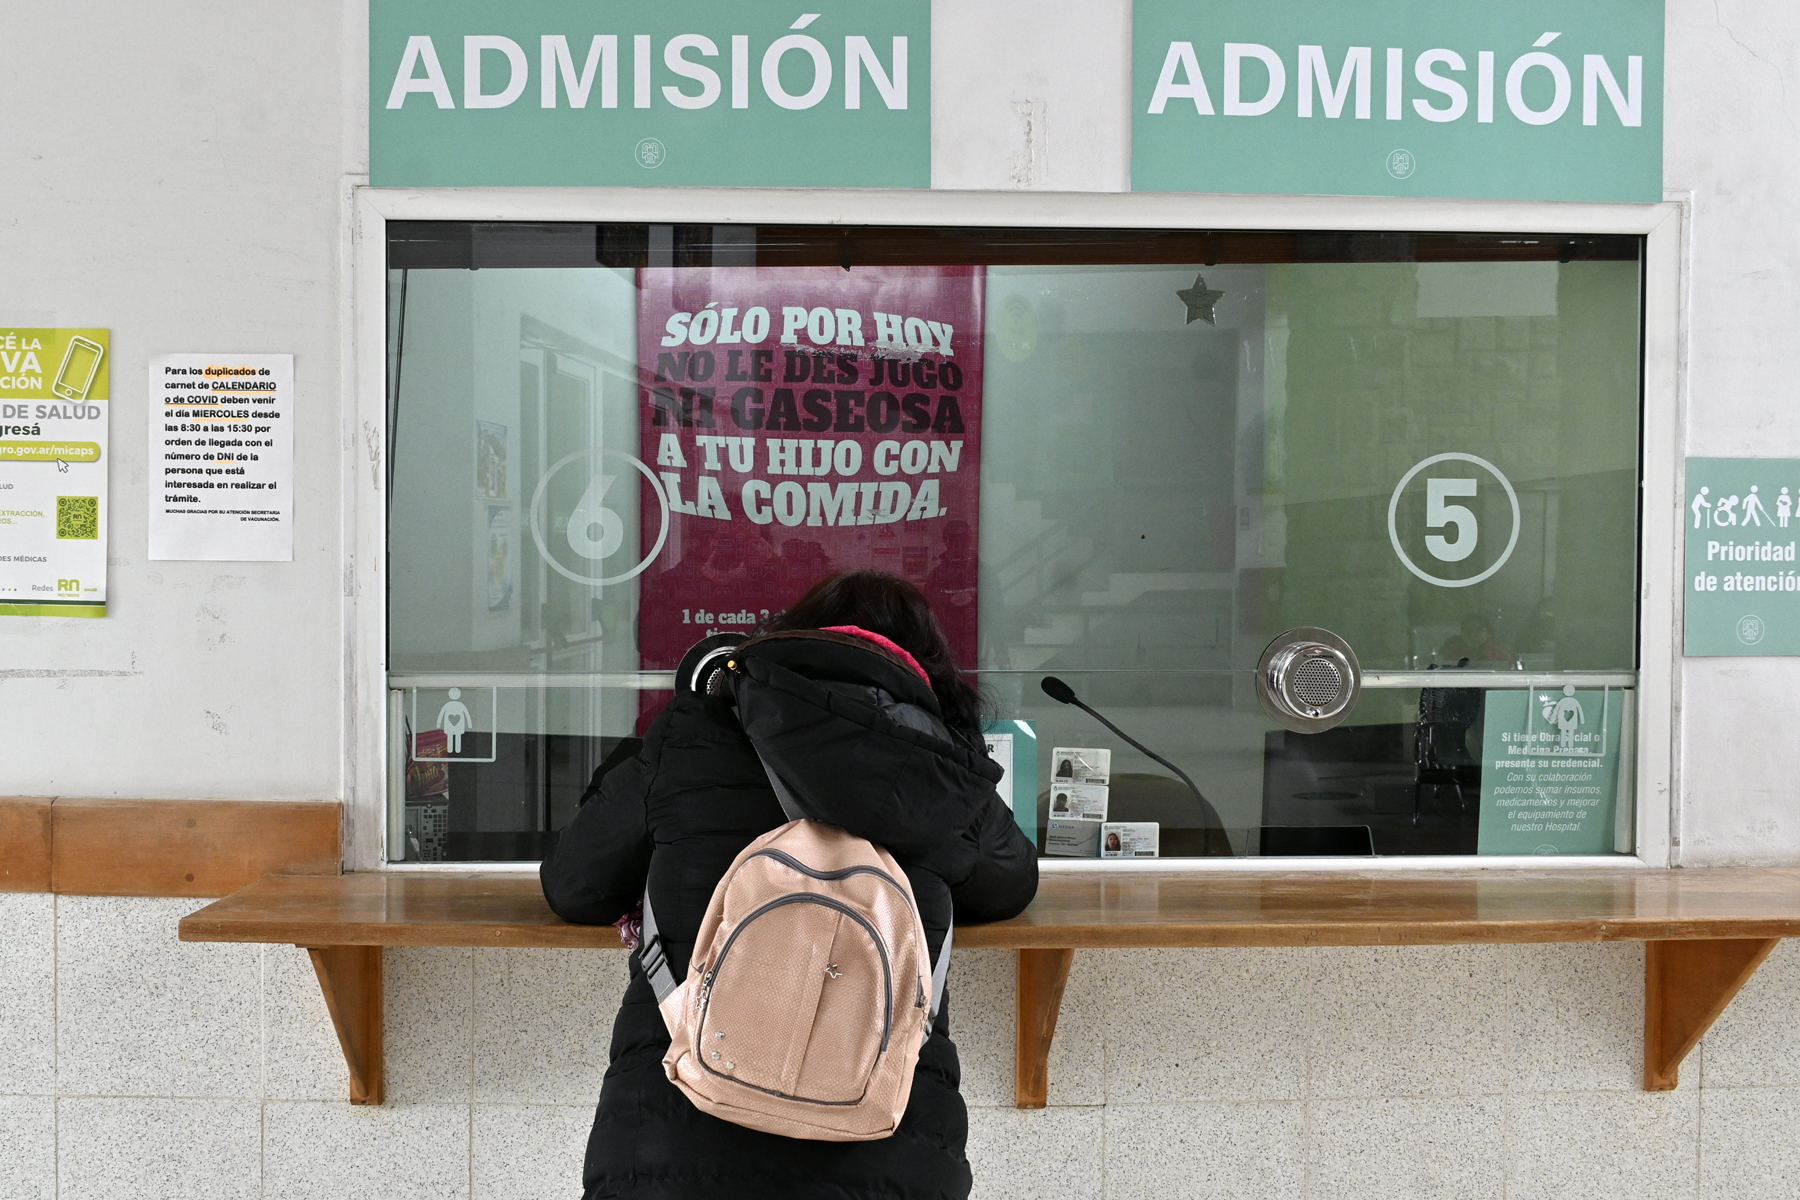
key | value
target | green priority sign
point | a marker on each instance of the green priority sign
(1742, 583)
(475, 93)
(1550, 770)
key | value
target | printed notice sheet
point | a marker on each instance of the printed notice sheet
(222, 457)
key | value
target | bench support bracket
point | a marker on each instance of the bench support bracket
(350, 977)
(1687, 984)
(1042, 974)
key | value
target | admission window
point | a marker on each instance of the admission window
(1128, 460)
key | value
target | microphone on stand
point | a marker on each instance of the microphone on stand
(1062, 693)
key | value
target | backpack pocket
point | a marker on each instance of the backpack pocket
(808, 982)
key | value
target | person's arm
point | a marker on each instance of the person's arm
(1003, 877)
(595, 870)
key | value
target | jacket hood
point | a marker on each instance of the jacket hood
(825, 654)
(857, 738)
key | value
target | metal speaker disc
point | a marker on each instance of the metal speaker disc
(1308, 680)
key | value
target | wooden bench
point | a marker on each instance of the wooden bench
(1707, 931)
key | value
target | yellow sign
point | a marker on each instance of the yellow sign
(51, 364)
(55, 406)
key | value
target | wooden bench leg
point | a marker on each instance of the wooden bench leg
(1686, 986)
(1042, 974)
(350, 977)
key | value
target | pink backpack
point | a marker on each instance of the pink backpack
(810, 991)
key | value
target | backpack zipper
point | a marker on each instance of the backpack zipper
(788, 860)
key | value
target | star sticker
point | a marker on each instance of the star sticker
(1200, 300)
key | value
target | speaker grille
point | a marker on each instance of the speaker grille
(1318, 682)
(1308, 679)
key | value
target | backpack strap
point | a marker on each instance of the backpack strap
(651, 955)
(940, 972)
(789, 806)
(650, 949)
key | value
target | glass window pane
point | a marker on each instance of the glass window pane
(1182, 444)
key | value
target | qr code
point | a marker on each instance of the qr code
(78, 517)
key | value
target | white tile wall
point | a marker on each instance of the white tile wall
(983, 1015)
(528, 1151)
(1205, 1151)
(543, 1021)
(327, 1150)
(1420, 1148)
(1579, 1145)
(1419, 1072)
(1756, 1040)
(1207, 1025)
(157, 1148)
(1048, 1154)
(429, 1031)
(28, 1147)
(139, 1013)
(1576, 1015)
(980, 994)
(1407, 1021)
(301, 1056)
(1750, 1143)
(27, 994)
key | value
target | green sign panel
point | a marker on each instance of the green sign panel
(1521, 99)
(1743, 594)
(1013, 744)
(1550, 771)
(468, 93)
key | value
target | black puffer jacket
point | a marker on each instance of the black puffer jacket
(856, 735)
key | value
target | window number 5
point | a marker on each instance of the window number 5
(1438, 514)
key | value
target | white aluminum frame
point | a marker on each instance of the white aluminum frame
(1664, 227)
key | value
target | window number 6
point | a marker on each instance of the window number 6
(590, 512)
(1438, 514)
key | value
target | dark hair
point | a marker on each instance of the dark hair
(889, 605)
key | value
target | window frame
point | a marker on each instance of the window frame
(368, 775)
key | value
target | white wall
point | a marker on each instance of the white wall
(1730, 145)
(172, 172)
(183, 188)
(1039, 95)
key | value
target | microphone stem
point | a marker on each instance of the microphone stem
(1142, 748)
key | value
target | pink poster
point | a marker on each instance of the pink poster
(802, 421)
